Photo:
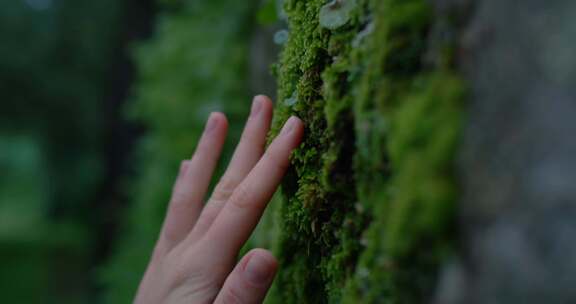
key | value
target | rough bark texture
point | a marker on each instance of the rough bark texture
(517, 161)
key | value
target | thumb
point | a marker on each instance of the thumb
(250, 280)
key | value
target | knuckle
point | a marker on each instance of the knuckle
(194, 274)
(278, 160)
(209, 214)
(255, 138)
(225, 188)
(179, 195)
(232, 295)
(173, 225)
(183, 168)
(242, 197)
(250, 136)
(185, 271)
(180, 202)
(171, 235)
(158, 253)
(175, 271)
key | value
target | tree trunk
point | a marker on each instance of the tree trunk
(518, 156)
(373, 211)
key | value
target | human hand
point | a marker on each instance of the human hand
(194, 260)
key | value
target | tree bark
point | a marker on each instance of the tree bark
(518, 165)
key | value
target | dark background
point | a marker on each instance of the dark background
(65, 74)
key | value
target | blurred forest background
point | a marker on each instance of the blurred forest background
(100, 102)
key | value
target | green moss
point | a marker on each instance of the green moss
(369, 202)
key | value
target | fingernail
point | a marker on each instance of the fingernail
(258, 270)
(212, 123)
(290, 125)
(256, 106)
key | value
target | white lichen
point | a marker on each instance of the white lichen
(337, 13)
(363, 272)
(360, 37)
(292, 100)
(281, 36)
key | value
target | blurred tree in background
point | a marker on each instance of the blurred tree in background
(63, 77)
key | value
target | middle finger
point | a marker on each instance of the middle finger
(248, 152)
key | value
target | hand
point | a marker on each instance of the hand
(194, 258)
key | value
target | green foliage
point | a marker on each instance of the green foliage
(268, 12)
(195, 64)
(368, 203)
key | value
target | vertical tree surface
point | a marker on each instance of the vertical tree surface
(518, 160)
(368, 205)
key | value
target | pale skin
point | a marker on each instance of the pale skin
(195, 258)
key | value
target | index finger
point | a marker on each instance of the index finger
(243, 210)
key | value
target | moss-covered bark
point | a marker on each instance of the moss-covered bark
(367, 207)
